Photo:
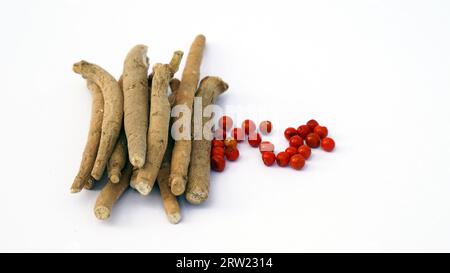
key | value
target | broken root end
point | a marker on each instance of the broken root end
(137, 162)
(102, 213)
(178, 186)
(143, 188)
(196, 198)
(114, 178)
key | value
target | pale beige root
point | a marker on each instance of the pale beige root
(174, 85)
(175, 62)
(135, 90)
(90, 184)
(118, 159)
(185, 96)
(197, 188)
(158, 129)
(112, 115)
(170, 202)
(111, 193)
(93, 140)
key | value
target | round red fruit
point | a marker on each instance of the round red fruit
(328, 144)
(296, 141)
(254, 139)
(312, 123)
(248, 126)
(217, 143)
(268, 158)
(225, 123)
(238, 134)
(303, 130)
(218, 151)
(322, 131)
(297, 162)
(265, 127)
(230, 143)
(291, 150)
(313, 140)
(289, 132)
(283, 159)
(305, 151)
(232, 154)
(217, 163)
(266, 146)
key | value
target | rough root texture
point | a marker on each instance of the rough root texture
(118, 159)
(158, 130)
(199, 170)
(112, 115)
(185, 95)
(110, 194)
(93, 140)
(135, 89)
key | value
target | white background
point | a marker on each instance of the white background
(375, 72)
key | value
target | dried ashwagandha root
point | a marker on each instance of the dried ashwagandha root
(170, 203)
(111, 193)
(112, 115)
(135, 89)
(118, 159)
(159, 124)
(199, 170)
(185, 96)
(95, 129)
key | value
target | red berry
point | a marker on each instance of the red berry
(305, 151)
(291, 150)
(328, 144)
(217, 143)
(225, 123)
(232, 154)
(238, 134)
(217, 163)
(248, 126)
(303, 130)
(312, 124)
(266, 146)
(220, 134)
(218, 151)
(297, 162)
(322, 131)
(289, 132)
(283, 159)
(265, 127)
(268, 158)
(296, 141)
(254, 139)
(230, 143)
(313, 140)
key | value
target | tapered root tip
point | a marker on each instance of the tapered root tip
(75, 190)
(196, 198)
(137, 162)
(201, 36)
(143, 188)
(102, 213)
(174, 218)
(178, 186)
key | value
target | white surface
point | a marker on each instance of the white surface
(375, 72)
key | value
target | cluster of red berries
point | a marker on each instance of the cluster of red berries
(226, 147)
(301, 140)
